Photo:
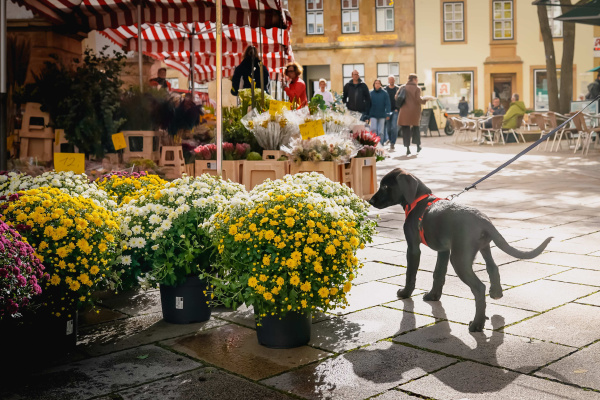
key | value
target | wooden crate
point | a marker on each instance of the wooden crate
(330, 169)
(172, 161)
(150, 149)
(63, 146)
(232, 170)
(256, 172)
(273, 154)
(364, 171)
(346, 174)
(36, 137)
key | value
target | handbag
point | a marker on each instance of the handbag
(401, 98)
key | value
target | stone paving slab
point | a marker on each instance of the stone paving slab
(361, 373)
(580, 368)
(202, 384)
(106, 374)
(372, 271)
(236, 349)
(472, 381)
(569, 260)
(594, 299)
(520, 272)
(542, 295)
(380, 240)
(396, 395)
(458, 309)
(132, 332)
(245, 316)
(99, 315)
(558, 325)
(368, 295)
(498, 255)
(364, 327)
(495, 348)
(381, 255)
(580, 276)
(135, 302)
(568, 246)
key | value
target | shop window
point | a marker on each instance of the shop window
(451, 86)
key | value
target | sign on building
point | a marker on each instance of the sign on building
(443, 88)
(597, 47)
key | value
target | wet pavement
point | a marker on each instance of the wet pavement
(541, 341)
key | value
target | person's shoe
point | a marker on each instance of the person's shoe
(419, 148)
(392, 147)
(408, 151)
(387, 142)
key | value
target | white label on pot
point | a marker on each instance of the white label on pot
(368, 162)
(211, 165)
(179, 303)
(69, 327)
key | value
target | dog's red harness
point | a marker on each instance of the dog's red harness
(412, 206)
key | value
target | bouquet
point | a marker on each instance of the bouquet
(162, 229)
(289, 245)
(75, 239)
(323, 148)
(21, 273)
(231, 151)
(272, 131)
(367, 138)
(206, 152)
(123, 186)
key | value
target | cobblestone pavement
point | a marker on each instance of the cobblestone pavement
(542, 339)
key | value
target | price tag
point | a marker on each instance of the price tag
(211, 165)
(9, 142)
(119, 141)
(276, 106)
(57, 134)
(69, 327)
(179, 303)
(311, 129)
(69, 162)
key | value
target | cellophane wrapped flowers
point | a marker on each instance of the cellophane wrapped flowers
(231, 151)
(124, 186)
(290, 245)
(160, 230)
(76, 240)
(272, 131)
(367, 138)
(338, 148)
(21, 273)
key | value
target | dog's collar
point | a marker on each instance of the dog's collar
(408, 209)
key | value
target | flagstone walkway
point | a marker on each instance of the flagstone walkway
(542, 339)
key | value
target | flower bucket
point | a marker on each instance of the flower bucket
(289, 331)
(185, 303)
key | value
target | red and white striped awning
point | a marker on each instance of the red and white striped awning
(207, 73)
(88, 15)
(171, 38)
(271, 60)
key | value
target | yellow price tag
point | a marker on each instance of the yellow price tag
(69, 162)
(9, 142)
(277, 106)
(311, 129)
(57, 134)
(119, 141)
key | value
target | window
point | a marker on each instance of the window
(451, 86)
(385, 15)
(540, 89)
(314, 17)
(554, 10)
(454, 22)
(349, 16)
(503, 20)
(174, 82)
(386, 69)
(347, 71)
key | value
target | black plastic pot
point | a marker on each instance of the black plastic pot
(291, 330)
(185, 303)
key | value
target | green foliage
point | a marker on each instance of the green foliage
(234, 131)
(316, 103)
(254, 156)
(246, 98)
(478, 113)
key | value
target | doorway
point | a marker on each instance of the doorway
(311, 76)
(502, 87)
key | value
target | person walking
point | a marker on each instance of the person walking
(327, 96)
(356, 96)
(243, 72)
(463, 107)
(391, 125)
(409, 116)
(295, 87)
(380, 110)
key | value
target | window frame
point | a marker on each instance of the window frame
(503, 20)
(534, 83)
(472, 96)
(453, 21)
(552, 6)
(350, 10)
(384, 9)
(353, 68)
(384, 78)
(314, 12)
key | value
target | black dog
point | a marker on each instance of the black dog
(456, 232)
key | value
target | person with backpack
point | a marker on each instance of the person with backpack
(356, 96)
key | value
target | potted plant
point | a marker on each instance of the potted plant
(124, 186)
(234, 156)
(163, 228)
(364, 169)
(77, 241)
(288, 249)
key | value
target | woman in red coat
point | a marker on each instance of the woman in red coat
(295, 87)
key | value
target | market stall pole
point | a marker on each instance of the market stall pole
(139, 29)
(219, 71)
(3, 94)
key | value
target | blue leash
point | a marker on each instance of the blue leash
(527, 150)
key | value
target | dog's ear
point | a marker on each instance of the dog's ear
(408, 186)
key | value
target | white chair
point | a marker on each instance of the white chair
(493, 134)
(584, 134)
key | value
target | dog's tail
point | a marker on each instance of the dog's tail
(511, 251)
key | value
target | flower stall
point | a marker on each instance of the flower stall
(234, 156)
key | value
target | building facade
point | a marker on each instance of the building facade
(486, 48)
(331, 38)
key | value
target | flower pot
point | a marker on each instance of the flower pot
(185, 303)
(291, 330)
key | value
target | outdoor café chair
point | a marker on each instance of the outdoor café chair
(493, 134)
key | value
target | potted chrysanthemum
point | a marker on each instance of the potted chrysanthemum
(288, 249)
(76, 240)
(164, 228)
(124, 186)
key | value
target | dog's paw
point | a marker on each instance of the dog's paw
(432, 296)
(496, 292)
(403, 293)
(476, 326)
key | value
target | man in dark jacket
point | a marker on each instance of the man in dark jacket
(243, 72)
(593, 89)
(357, 96)
(463, 107)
